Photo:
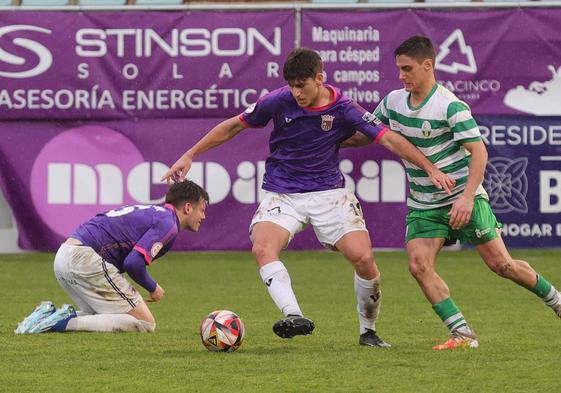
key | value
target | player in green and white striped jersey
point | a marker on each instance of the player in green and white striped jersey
(438, 126)
(442, 127)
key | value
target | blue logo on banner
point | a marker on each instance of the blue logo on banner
(507, 184)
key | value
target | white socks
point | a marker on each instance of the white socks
(368, 302)
(553, 297)
(109, 323)
(276, 278)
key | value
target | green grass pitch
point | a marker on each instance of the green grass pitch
(520, 338)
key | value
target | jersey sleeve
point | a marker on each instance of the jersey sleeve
(257, 115)
(381, 111)
(461, 123)
(155, 238)
(135, 266)
(367, 123)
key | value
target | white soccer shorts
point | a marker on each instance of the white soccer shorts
(96, 286)
(332, 213)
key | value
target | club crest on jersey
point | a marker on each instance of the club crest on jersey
(425, 129)
(156, 249)
(327, 122)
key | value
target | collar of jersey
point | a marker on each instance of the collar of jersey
(414, 108)
(336, 95)
(169, 206)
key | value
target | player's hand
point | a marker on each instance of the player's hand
(158, 294)
(460, 213)
(442, 180)
(179, 170)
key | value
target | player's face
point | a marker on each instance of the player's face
(306, 92)
(196, 215)
(413, 74)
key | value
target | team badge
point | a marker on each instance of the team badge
(156, 247)
(425, 129)
(327, 122)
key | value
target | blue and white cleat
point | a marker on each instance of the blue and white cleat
(42, 311)
(56, 322)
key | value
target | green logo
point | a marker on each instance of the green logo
(425, 129)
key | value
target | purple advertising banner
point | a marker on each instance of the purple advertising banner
(523, 177)
(500, 62)
(95, 106)
(117, 65)
(56, 176)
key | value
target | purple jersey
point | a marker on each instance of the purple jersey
(304, 143)
(148, 229)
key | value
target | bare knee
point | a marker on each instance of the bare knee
(418, 266)
(364, 265)
(499, 262)
(501, 266)
(259, 250)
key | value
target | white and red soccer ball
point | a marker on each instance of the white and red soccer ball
(222, 331)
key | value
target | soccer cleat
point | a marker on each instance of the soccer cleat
(42, 311)
(293, 325)
(56, 322)
(458, 340)
(371, 339)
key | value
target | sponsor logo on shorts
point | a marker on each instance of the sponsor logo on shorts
(480, 233)
(156, 249)
(274, 210)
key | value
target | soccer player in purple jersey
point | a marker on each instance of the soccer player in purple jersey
(305, 186)
(91, 263)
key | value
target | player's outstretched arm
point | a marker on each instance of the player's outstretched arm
(403, 148)
(223, 132)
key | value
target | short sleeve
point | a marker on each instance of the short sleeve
(367, 123)
(257, 115)
(461, 122)
(381, 111)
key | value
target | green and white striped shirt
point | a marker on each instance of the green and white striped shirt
(437, 127)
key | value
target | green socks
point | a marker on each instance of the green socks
(450, 314)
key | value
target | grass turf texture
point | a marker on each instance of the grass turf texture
(519, 337)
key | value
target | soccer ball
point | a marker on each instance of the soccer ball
(222, 331)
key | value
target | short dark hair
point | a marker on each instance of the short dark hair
(185, 191)
(417, 47)
(302, 63)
